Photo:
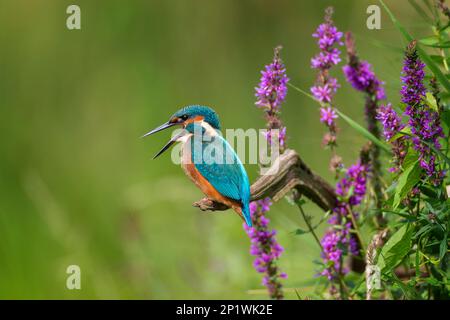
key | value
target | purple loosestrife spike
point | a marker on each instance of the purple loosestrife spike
(325, 87)
(359, 72)
(360, 75)
(423, 121)
(272, 89)
(338, 241)
(265, 248)
(271, 93)
(355, 180)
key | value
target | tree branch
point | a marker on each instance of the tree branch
(288, 172)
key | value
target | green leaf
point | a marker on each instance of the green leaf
(444, 28)
(299, 232)
(425, 57)
(439, 152)
(405, 131)
(445, 118)
(432, 281)
(406, 181)
(410, 158)
(363, 131)
(443, 248)
(443, 45)
(434, 68)
(439, 59)
(404, 215)
(430, 41)
(408, 291)
(395, 249)
(417, 263)
(430, 100)
(423, 230)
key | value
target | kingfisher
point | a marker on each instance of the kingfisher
(208, 159)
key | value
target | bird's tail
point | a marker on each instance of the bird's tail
(246, 214)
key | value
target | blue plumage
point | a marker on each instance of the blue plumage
(219, 164)
(218, 171)
(209, 115)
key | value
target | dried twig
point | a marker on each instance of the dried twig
(376, 243)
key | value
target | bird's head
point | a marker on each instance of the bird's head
(188, 118)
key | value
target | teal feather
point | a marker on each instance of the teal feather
(209, 115)
(219, 164)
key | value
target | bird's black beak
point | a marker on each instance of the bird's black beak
(160, 128)
(170, 143)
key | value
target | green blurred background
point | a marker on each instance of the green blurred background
(78, 186)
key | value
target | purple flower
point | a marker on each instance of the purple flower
(333, 84)
(354, 180)
(322, 93)
(392, 125)
(281, 135)
(328, 38)
(391, 121)
(272, 89)
(362, 78)
(360, 75)
(413, 89)
(271, 93)
(327, 34)
(327, 115)
(265, 247)
(423, 121)
(326, 59)
(338, 241)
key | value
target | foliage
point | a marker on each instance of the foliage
(409, 242)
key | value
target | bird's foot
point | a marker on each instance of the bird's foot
(207, 204)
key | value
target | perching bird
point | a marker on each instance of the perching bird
(208, 160)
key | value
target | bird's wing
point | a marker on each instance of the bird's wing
(220, 165)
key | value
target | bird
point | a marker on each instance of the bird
(208, 159)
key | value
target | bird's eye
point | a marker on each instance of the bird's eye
(184, 117)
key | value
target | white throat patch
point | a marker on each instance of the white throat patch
(209, 130)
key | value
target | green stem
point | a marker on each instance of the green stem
(304, 92)
(310, 228)
(356, 227)
(343, 289)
